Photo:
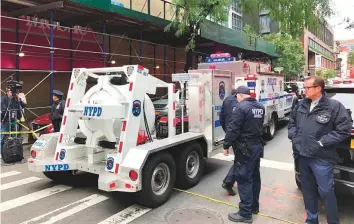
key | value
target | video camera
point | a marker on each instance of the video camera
(13, 85)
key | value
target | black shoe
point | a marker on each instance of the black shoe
(229, 189)
(255, 211)
(236, 217)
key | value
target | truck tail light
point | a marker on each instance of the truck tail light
(133, 175)
(253, 95)
(33, 154)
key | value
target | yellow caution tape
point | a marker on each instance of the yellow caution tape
(25, 132)
(232, 205)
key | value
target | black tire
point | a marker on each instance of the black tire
(192, 153)
(271, 128)
(60, 176)
(146, 196)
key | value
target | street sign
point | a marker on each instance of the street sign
(180, 77)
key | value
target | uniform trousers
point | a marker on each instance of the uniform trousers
(247, 175)
(316, 175)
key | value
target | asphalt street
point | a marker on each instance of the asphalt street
(28, 197)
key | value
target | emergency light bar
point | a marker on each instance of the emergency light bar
(220, 57)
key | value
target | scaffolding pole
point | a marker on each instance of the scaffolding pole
(104, 42)
(141, 47)
(17, 76)
(71, 48)
(154, 59)
(51, 57)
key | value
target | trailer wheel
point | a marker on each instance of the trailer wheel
(59, 176)
(190, 166)
(158, 179)
(271, 128)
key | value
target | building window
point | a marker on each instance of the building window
(236, 22)
(236, 6)
(236, 16)
(264, 24)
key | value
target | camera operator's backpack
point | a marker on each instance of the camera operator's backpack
(12, 149)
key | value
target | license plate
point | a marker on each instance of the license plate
(352, 144)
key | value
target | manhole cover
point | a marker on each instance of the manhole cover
(193, 216)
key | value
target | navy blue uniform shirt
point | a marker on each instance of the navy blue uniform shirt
(226, 110)
(315, 134)
(245, 123)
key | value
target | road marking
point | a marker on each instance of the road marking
(19, 183)
(8, 174)
(264, 162)
(7, 205)
(79, 206)
(127, 215)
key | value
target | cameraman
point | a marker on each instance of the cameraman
(11, 106)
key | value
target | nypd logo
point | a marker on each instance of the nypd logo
(93, 111)
(221, 90)
(57, 167)
(136, 110)
(62, 154)
(110, 162)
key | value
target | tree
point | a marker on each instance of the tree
(351, 58)
(191, 13)
(290, 51)
(350, 24)
(292, 16)
(326, 73)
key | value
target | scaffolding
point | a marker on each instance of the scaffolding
(47, 48)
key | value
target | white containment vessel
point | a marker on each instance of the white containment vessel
(109, 89)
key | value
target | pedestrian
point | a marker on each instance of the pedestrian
(316, 126)
(11, 105)
(244, 133)
(57, 110)
(227, 107)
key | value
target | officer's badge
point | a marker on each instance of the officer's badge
(323, 118)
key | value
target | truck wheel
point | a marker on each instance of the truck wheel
(158, 179)
(59, 176)
(271, 128)
(190, 166)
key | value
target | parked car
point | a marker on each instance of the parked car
(344, 170)
(295, 87)
(161, 108)
(38, 123)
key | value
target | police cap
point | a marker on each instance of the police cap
(57, 93)
(243, 90)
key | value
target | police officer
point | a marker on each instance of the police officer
(226, 109)
(316, 126)
(57, 110)
(244, 134)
